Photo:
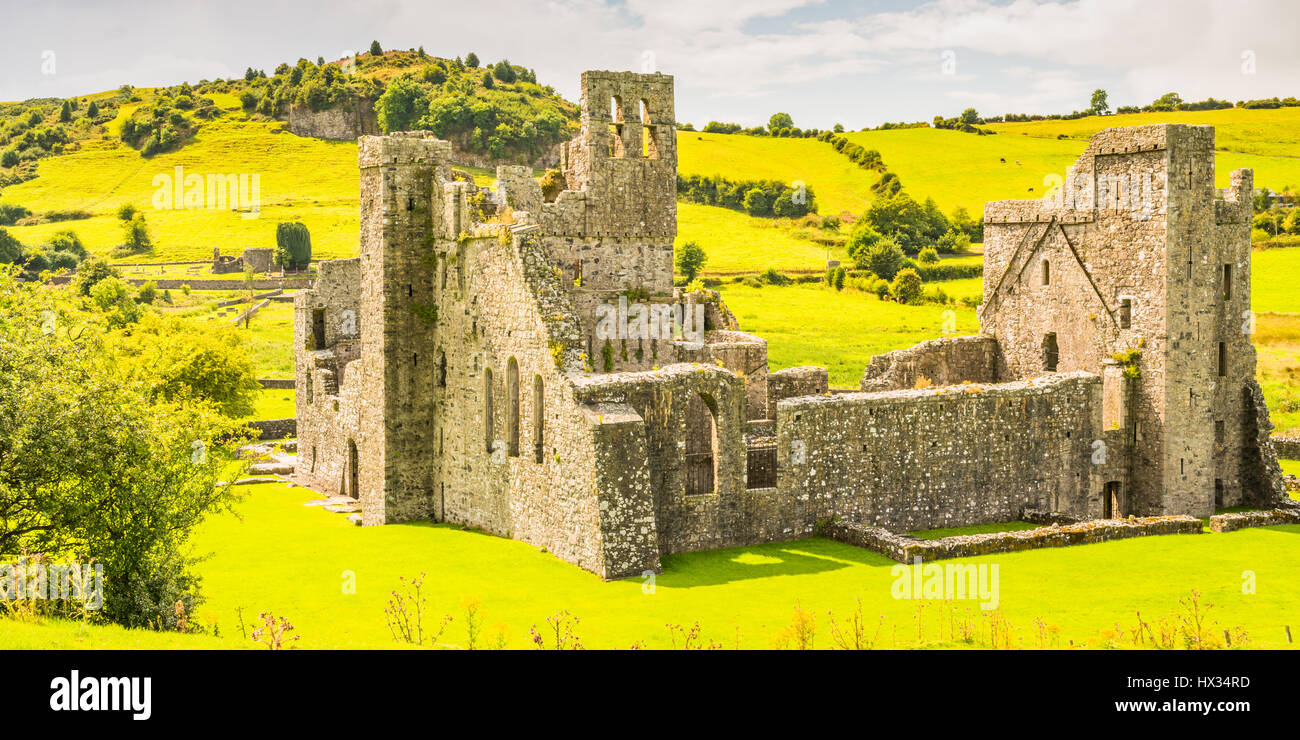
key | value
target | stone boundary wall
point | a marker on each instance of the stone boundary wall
(946, 361)
(1242, 520)
(250, 312)
(282, 383)
(208, 284)
(906, 548)
(1034, 516)
(1287, 448)
(275, 428)
(950, 456)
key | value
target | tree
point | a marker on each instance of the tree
(1099, 106)
(93, 110)
(1168, 101)
(902, 218)
(861, 239)
(487, 80)
(906, 286)
(11, 250)
(135, 236)
(884, 258)
(65, 112)
(93, 470)
(113, 296)
(779, 121)
(504, 72)
(689, 260)
(292, 245)
(928, 256)
(402, 105)
(970, 117)
(91, 272)
(471, 60)
(757, 203)
(176, 360)
(375, 49)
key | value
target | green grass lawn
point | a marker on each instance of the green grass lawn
(812, 325)
(275, 403)
(281, 556)
(838, 184)
(735, 242)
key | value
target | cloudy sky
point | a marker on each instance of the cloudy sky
(824, 61)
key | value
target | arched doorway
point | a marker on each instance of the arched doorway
(701, 463)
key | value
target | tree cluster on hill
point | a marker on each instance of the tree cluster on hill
(169, 121)
(896, 226)
(767, 198)
(45, 127)
(503, 114)
(63, 251)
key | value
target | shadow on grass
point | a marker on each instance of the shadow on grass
(800, 557)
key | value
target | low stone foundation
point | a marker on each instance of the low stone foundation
(906, 548)
(1034, 516)
(1244, 519)
(275, 428)
(1287, 448)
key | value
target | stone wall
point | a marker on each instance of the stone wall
(1287, 448)
(792, 382)
(908, 549)
(947, 361)
(943, 457)
(1243, 519)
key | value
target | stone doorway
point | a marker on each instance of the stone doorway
(701, 468)
(1113, 500)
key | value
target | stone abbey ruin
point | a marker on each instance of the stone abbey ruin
(468, 366)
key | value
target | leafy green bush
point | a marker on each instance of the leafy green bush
(906, 286)
(884, 258)
(928, 256)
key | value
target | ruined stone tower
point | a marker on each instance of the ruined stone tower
(1137, 252)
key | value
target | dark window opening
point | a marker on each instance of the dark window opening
(760, 467)
(701, 447)
(1220, 432)
(539, 418)
(487, 409)
(1125, 313)
(354, 462)
(318, 328)
(1227, 282)
(1051, 354)
(512, 408)
(1223, 359)
(1218, 493)
(1047, 272)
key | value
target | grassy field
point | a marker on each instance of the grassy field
(295, 561)
(738, 243)
(840, 185)
(812, 325)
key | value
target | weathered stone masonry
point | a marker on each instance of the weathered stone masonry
(466, 368)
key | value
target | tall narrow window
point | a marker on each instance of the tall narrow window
(1227, 282)
(1220, 432)
(539, 417)
(1051, 354)
(1218, 493)
(1047, 272)
(1223, 359)
(318, 328)
(487, 409)
(512, 408)
(1125, 313)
